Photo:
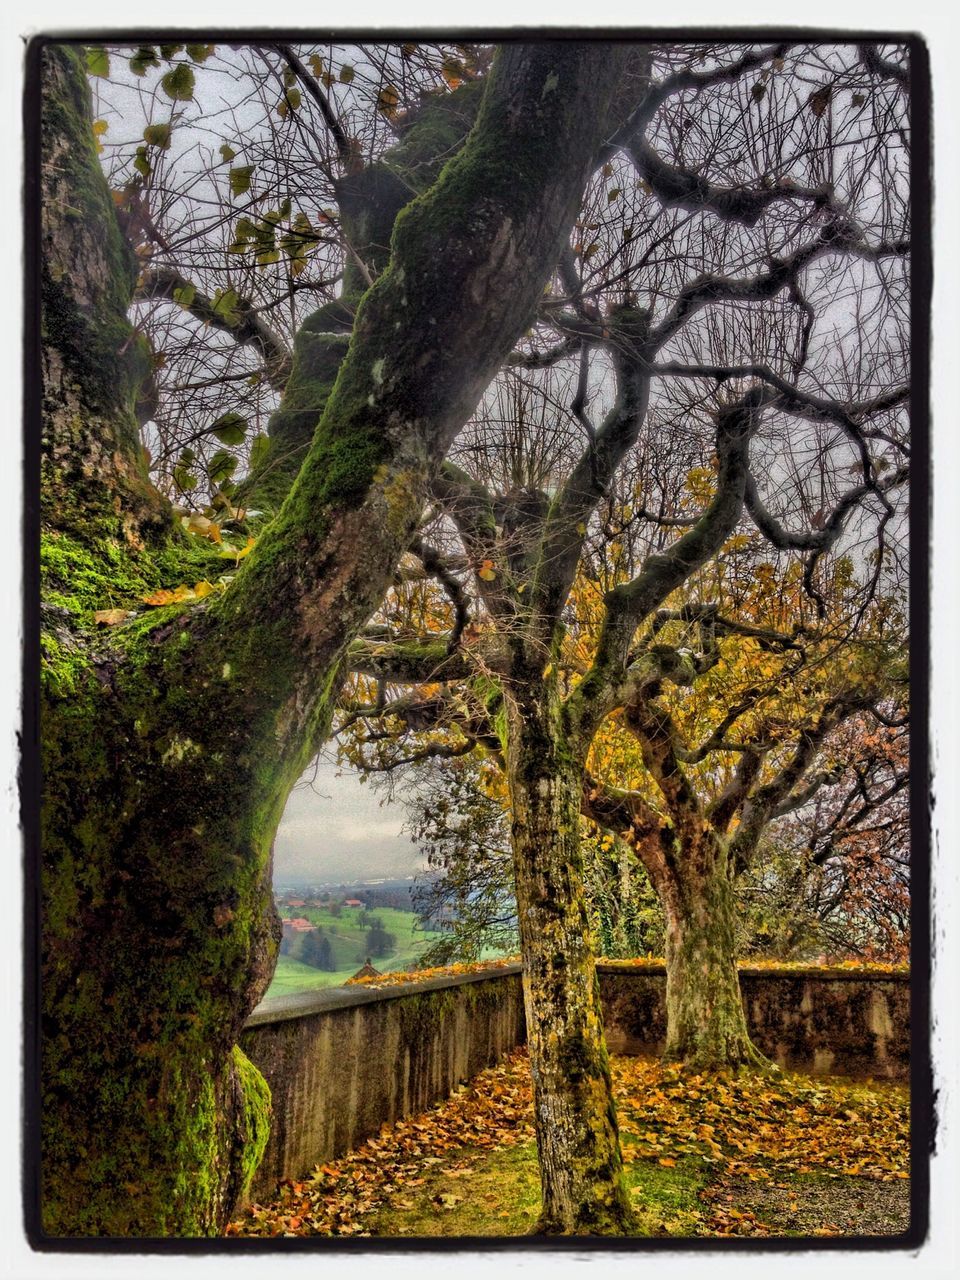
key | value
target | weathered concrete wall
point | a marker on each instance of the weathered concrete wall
(343, 1062)
(820, 1021)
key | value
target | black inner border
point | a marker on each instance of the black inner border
(922, 1094)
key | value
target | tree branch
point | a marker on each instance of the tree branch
(246, 328)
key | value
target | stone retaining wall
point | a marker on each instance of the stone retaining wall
(822, 1021)
(342, 1062)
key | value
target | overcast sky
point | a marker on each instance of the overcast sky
(336, 829)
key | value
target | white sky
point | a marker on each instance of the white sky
(335, 828)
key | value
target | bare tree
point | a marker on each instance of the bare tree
(723, 357)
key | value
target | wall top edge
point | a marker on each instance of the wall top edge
(329, 999)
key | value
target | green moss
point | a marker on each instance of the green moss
(255, 1110)
(423, 1015)
(369, 203)
(79, 576)
(157, 910)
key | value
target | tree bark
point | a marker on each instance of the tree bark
(170, 742)
(706, 1022)
(690, 868)
(369, 203)
(581, 1169)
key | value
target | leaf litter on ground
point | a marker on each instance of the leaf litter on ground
(737, 1128)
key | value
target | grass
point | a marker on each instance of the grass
(347, 937)
(498, 1194)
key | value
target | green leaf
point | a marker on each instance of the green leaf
(346, 74)
(184, 479)
(141, 163)
(259, 448)
(185, 295)
(146, 56)
(221, 466)
(245, 232)
(226, 305)
(230, 428)
(168, 50)
(187, 456)
(98, 61)
(158, 135)
(178, 83)
(200, 52)
(240, 179)
(227, 153)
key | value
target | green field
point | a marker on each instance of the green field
(347, 939)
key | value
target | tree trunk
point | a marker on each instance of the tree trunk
(169, 743)
(157, 916)
(706, 1022)
(581, 1170)
(369, 203)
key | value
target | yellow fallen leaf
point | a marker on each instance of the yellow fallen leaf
(203, 526)
(110, 617)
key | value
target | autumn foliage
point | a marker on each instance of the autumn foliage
(739, 1129)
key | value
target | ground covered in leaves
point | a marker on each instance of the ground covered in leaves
(706, 1155)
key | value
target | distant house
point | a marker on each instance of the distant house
(301, 925)
(368, 971)
(295, 902)
(352, 902)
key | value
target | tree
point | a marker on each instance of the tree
(708, 305)
(833, 878)
(315, 950)
(379, 942)
(170, 739)
(459, 820)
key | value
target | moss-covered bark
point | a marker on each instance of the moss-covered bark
(706, 1021)
(581, 1169)
(369, 202)
(170, 742)
(94, 470)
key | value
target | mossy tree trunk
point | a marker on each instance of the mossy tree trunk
(170, 742)
(581, 1169)
(687, 857)
(706, 1021)
(369, 202)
